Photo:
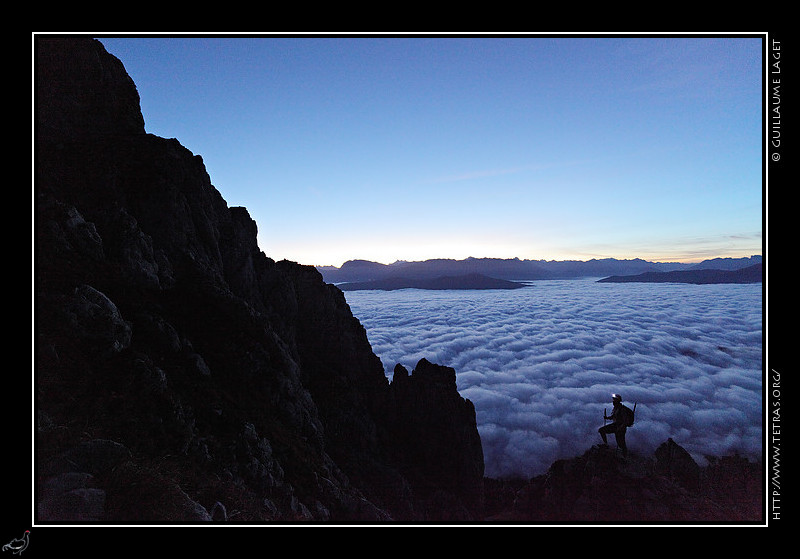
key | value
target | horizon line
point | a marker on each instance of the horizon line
(655, 261)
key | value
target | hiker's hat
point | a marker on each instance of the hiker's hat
(616, 397)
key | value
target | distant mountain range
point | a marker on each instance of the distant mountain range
(469, 281)
(750, 274)
(515, 269)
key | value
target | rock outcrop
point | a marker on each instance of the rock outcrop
(602, 486)
(181, 374)
(425, 406)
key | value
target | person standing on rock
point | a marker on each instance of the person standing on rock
(620, 420)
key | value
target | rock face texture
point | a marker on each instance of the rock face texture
(179, 370)
(425, 406)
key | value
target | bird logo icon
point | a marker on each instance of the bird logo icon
(18, 545)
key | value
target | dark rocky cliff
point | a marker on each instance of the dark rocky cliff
(182, 374)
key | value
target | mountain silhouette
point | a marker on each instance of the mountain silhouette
(750, 274)
(469, 281)
(181, 374)
(515, 269)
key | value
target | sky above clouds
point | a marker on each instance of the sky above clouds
(386, 148)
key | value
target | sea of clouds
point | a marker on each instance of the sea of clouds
(540, 363)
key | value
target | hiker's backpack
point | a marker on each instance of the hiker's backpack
(629, 415)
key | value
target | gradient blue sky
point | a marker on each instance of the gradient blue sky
(549, 148)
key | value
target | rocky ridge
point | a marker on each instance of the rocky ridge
(181, 371)
(602, 486)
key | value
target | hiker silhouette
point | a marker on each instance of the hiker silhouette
(621, 418)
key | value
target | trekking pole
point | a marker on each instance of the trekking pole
(604, 415)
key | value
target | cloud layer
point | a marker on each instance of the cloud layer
(541, 363)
